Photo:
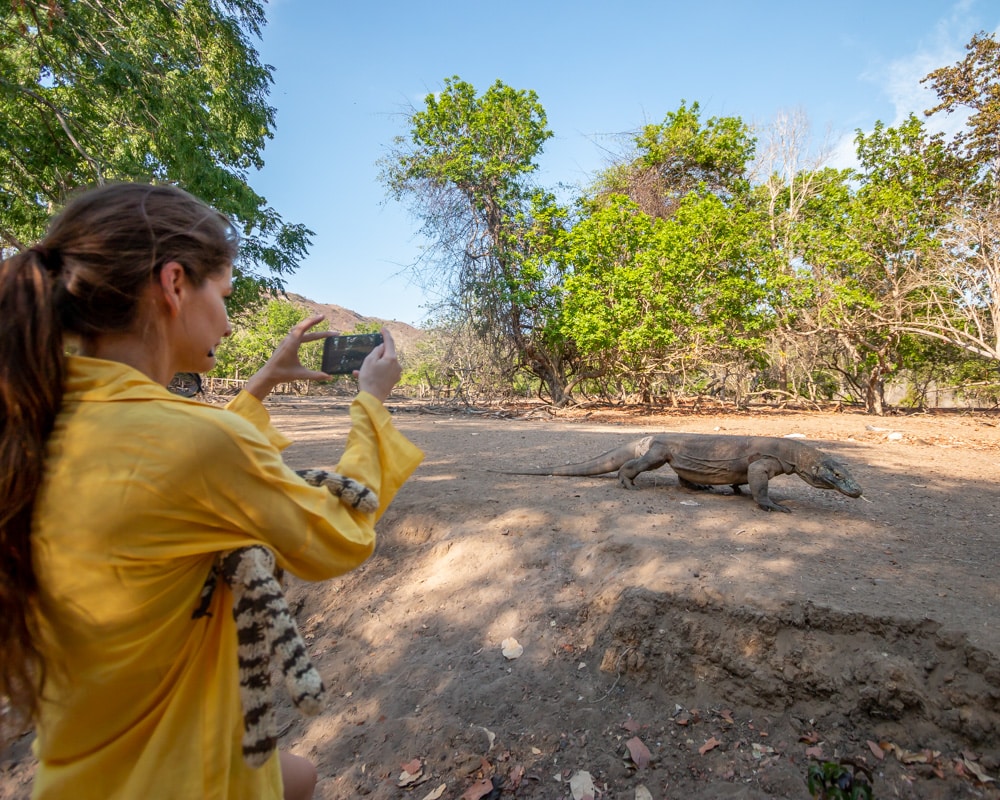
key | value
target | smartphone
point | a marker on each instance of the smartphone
(344, 354)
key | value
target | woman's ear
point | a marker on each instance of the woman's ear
(173, 281)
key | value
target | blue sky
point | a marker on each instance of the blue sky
(346, 74)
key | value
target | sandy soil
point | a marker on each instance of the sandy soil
(680, 643)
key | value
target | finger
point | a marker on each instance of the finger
(388, 343)
(315, 336)
(315, 376)
(303, 326)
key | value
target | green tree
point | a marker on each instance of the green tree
(663, 275)
(867, 247)
(149, 90)
(465, 169)
(257, 331)
(650, 301)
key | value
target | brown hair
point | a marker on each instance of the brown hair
(85, 278)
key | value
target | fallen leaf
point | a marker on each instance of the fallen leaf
(515, 776)
(727, 715)
(639, 752)
(491, 737)
(913, 757)
(581, 786)
(408, 778)
(642, 793)
(876, 749)
(761, 750)
(511, 648)
(478, 790)
(413, 767)
(977, 770)
(631, 725)
(810, 738)
(711, 744)
(436, 794)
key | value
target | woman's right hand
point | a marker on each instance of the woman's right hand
(380, 370)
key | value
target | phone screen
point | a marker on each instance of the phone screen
(344, 354)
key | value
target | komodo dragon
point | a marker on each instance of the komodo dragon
(703, 460)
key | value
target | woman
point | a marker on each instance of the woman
(117, 495)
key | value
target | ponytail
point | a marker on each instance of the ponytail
(31, 387)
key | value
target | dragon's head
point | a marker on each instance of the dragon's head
(828, 473)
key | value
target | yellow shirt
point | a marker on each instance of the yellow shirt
(142, 488)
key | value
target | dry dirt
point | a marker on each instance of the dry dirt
(683, 643)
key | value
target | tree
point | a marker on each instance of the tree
(868, 250)
(465, 168)
(961, 294)
(150, 90)
(974, 84)
(256, 334)
(960, 301)
(648, 300)
(792, 179)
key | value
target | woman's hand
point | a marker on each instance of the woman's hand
(284, 365)
(380, 370)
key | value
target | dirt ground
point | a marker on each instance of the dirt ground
(668, 643)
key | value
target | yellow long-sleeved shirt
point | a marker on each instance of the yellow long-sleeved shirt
(142, 488)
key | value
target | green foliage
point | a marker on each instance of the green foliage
(367, 327)
(677, 272)
(256, 334)
(646, 296)
(147, 90)
(476, 143)
(682, 155)
(832, 780)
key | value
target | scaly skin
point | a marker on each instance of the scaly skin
(703, 460)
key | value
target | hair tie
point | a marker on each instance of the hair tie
(49, 259)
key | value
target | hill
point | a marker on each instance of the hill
(344, 320)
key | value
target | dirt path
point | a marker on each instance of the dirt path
(728, 647)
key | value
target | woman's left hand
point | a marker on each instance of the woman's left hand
(284, 365)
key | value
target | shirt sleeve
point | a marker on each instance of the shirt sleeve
(254, 412)
(249, 496)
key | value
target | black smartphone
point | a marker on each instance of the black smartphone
(344, 354)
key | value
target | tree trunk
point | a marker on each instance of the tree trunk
(875, 394)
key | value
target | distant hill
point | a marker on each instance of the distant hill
(344, 320)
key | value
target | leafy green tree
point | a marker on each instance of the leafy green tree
(150, 90)
(465, 169)
(664, 278)
(865, 250)
(792, 180)
(651, 300)
(256, 333)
